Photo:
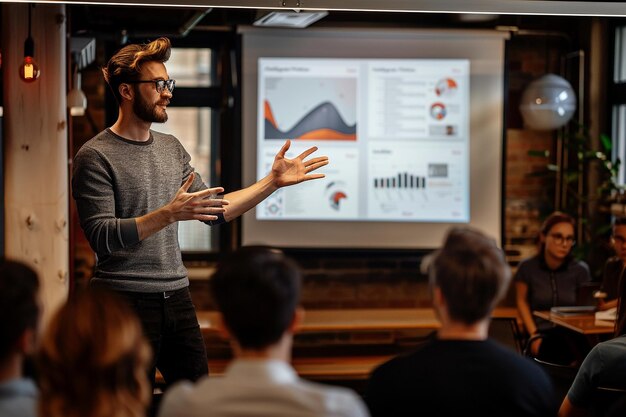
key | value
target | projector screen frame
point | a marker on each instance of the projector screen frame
(249, 138)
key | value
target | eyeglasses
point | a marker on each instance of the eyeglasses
(619, 240)
(559, 239)
(159, 84)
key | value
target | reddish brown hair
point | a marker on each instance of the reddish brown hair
(551, 221)
(93, 360)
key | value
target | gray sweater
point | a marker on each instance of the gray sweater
(116, 180)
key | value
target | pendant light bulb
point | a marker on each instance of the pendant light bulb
(29, 69)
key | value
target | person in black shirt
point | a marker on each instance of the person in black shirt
(461, 371)
(614, 267)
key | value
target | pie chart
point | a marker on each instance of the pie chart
(446, 87)
(335, 194)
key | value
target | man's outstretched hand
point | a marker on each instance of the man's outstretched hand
(200, 205)
(296, 170)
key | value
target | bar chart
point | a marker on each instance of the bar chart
(401, 180)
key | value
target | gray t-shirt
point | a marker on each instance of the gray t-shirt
(116, 180)
(604, 366)
(18, 398)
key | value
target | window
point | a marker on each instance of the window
(191, 120)
(192, 126)
(618, 128)
(618, 134)
(190, 67)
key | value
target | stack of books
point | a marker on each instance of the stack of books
(606, 317)
(569, 311)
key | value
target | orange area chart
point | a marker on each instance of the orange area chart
(321, 123)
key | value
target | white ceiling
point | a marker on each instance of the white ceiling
(513, 7)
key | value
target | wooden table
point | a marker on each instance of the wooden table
(361, 319)
(350, 367)
(584, 323)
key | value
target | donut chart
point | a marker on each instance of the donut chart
(438, 111)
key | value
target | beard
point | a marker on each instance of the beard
(148, 112)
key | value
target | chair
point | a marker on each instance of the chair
(562, 376)
(506, 331)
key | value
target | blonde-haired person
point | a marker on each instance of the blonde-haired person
(93, 360)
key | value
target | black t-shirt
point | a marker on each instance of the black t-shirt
(613, 270)
(461, 378)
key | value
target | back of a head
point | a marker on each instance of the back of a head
(472, 273)
(257, 290)
(93, 359)
(125, 65)
(19, 289)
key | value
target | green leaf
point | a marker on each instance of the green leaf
(538, 174)
(599, 155)
(539, 153)
(606, 142)
(571, 176)
(603, 229)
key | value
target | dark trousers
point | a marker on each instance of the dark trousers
(170, 324)
(563, 346)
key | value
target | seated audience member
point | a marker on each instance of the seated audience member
(94, 360)
(19, 288)
(257, 293)
(549, 279)
(461, 372)
(614, 267)
(604, 366)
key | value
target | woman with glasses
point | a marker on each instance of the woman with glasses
(549, 279)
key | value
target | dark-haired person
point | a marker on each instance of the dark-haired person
(257, 291)
(614, 266)
(19, 298)
(549, 279)
(604, 366)
(132, 185)
(461, 372)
